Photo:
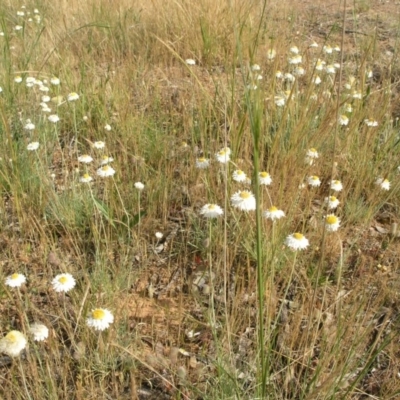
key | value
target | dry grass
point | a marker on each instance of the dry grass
(187, 307)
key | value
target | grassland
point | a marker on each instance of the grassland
(183, 95)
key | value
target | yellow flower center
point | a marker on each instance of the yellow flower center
(106, 168)
(264, 174)
(298, 235)
(63, 280)
(245, 195)
(86, 176)
(336, 182)
(211, 207)
(331, 219)
(222, 153)
(239, 172)
(273, 208)
(315, 178)
(202, 159)
(332, 198)
(98, 314)
(313, 150)
(14, 276)
(12, 337)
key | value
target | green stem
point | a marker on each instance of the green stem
(211, 275)
(256, 130)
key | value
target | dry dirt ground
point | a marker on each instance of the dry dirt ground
(158, 306)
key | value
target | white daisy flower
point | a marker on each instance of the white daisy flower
(190, 61)
(106, 171)
(40, 332)
(297, 59)
(85, 158)
(32, 146)
(45, 98)
(255, 67)
(371, 122)
(13, 343)
(63, 283)
(106, 160)
(297, 241)
(312, 153)
(159, 235)
(15, 280)
(223, 156)
(348, 85)
(343, 120)
(18, 27)
(99, 145)
(139, 186)
(330, 69)
(244, 200)
(85, 178)
(54, 118)
(271, 53)
(289, 77)
(273, 213)
(314, 181)
(336, 185)
(280, 101)
(29, 126)
(55, 81)
(278, 74)
(211, 211)
(320, 65)
(314, 45)
(317, 80)
(202, 163)
(332, 202)
(348, 108)
(100, 319)
(332, 223)
(239, 176)
(299, 71)
(327, 49)
(107, 127)
(73, 96)
(357, 95)
(45, 108)
(294, 50)
(264, 178)
(18, 79)
(383, 183)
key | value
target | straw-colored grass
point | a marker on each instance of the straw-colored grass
(217, 308)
